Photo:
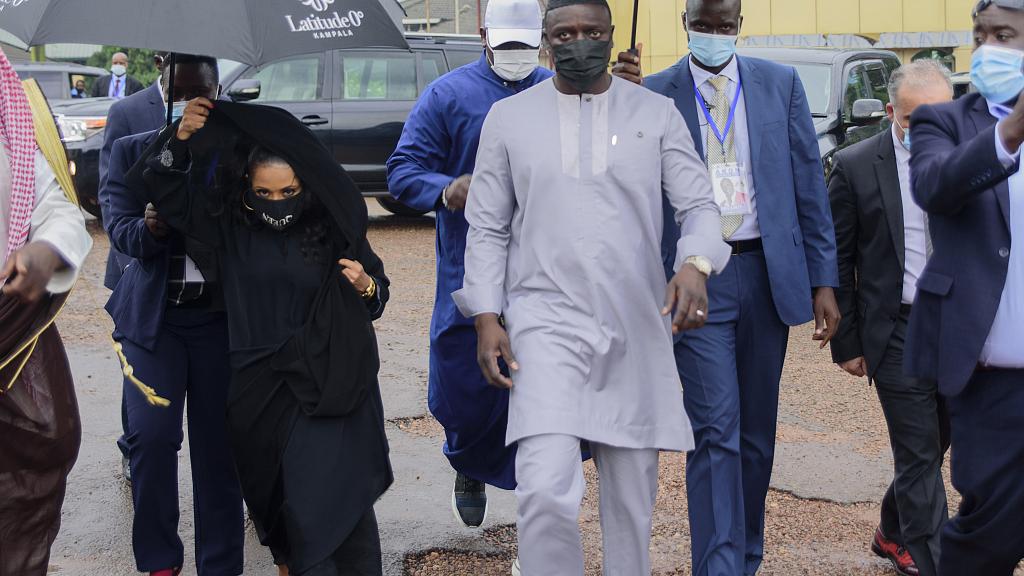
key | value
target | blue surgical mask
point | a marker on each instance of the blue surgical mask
(712, 50)
(906, 134)
(178, 111)
(998, 73)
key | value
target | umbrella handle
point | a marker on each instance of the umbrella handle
(170, 88)
(632, 38)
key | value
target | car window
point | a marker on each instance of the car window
(379, 77)
(817, 82)
(856, 89)
(432, 66)
(878, 83)
(459, 58)
(292, 80)
(54, 84)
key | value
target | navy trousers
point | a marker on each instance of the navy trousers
(190, 361)
(986, 538)
(474, 413)
(730, 370)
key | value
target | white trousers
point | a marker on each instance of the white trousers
(549, 471)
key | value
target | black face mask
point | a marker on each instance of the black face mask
(583, 62)
(278, 214)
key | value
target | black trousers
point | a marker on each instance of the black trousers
(914, 508)
(986, 538)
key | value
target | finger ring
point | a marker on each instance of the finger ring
(700, 313)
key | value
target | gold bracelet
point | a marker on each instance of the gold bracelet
(370, 291)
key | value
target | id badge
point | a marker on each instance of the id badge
(192, 272)
(729, 181)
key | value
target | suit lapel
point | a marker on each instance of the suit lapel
(157, 108)
(682, 93)
(892, 196)
(753, 88)
(983, 119)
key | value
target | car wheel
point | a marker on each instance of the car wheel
(397, 208)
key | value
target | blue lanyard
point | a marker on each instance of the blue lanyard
(711, 121)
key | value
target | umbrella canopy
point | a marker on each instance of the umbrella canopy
(253, 32)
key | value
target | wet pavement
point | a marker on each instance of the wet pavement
(832, 464)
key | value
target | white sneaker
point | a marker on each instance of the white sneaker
(515, 568)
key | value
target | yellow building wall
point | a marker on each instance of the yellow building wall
(660, 28)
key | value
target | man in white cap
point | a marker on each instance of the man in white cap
(431, 170)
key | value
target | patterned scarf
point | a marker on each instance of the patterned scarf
(18, 134)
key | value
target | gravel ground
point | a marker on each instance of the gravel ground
(820, 406)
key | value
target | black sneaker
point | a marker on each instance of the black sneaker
(469, 501)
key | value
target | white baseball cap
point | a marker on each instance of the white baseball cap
(513, 21)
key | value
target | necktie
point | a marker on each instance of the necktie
(718, 152)
(117, 88)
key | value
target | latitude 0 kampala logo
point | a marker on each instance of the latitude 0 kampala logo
(323, 26)
(16, 3)
(318, 5)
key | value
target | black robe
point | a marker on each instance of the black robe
(305, 414)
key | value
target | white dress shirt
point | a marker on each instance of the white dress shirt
(117, 86)
(914, 226)
(749, 230)
(1005, 345)
(55, 220)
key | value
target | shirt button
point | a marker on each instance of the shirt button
(588, 98)
(1004, 252)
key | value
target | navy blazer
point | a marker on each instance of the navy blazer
(792, 202)
(141, 112)
(960, 182)
(139, 299)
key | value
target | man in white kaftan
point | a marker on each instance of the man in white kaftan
(565, 214)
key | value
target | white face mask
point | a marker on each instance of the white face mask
(118, 69)
(514, 65)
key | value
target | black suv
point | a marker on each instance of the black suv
(356, 101)
(847, 90)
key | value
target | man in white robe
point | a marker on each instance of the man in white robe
(564, 242)
(43, 243)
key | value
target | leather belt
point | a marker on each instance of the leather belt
(744, 246)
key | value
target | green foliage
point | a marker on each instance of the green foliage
(140, 62)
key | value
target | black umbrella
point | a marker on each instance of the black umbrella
(252, 32)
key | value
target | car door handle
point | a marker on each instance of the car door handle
(314, 120)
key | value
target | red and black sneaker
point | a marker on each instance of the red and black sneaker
(893, 552)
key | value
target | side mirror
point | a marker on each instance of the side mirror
(867, 111)
(245, 90)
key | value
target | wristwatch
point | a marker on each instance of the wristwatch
(702, 264)
(371, 290)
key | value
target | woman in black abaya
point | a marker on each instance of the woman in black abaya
(302, 287)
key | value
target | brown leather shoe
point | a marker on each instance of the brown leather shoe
(893, 552)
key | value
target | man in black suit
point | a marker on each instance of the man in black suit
(967, 326)
(882, 242)
(118, 84)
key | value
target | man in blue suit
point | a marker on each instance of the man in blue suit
(143, 111)
(967, 323)
(750, 122)
(168, 317)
